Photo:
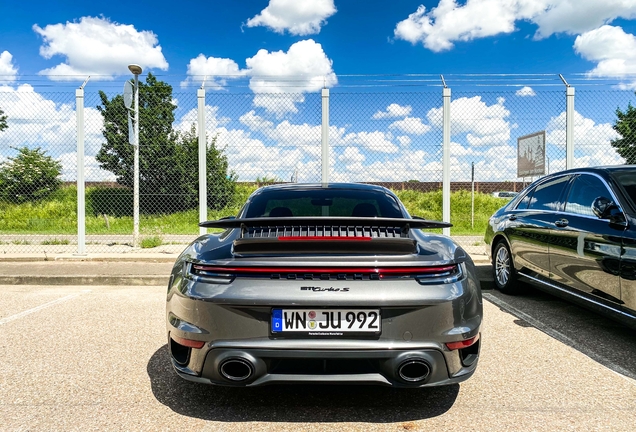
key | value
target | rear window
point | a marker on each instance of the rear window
(546, 196)
(627, 179)
(323, 202)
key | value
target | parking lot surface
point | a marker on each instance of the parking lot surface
(95, 358)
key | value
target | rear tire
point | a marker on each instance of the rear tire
(503, 269)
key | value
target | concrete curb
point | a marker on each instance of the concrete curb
(86, 280)
(150, 257)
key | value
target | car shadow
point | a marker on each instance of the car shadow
(602, 339)
(294, 403)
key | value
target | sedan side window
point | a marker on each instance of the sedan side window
(585, 189)
(547, 195)
(524, 202)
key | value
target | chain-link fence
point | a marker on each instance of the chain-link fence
(390, 138)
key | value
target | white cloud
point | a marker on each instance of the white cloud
(482, 124)
(404, 140)
(298, 17)
(405, 165)
(611, 48)
(579, 16)
(214, 71)
(212, 121)
(525, 91)
(375, 141)
(351, 155)
(438, 28)
(303, 68)
(8, 71)
(591, 140)
(278, 79)
(410, 125)
(250, 158)
(255, 122)
(35, 121)
(92, 170)
(393, 110)
(98, 47)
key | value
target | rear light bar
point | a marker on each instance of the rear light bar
(433, 275)
(389, 271)
(322, 238)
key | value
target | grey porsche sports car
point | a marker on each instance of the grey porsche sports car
(324, 283)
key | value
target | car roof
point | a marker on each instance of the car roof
(599, 169)
(315, 186)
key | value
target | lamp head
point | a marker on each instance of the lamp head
(135, 69)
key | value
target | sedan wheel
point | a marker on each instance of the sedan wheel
(504, 270)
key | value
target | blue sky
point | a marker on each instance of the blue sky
(358, 37)
(283, 46)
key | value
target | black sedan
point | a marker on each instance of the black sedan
(573, 234)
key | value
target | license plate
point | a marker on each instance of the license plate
(326, 321)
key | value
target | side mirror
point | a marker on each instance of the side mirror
(605, 208)
(228, 217)
(601, 206)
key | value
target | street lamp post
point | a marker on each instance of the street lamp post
(136, 70)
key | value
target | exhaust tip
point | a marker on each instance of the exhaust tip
(236, 369)
(414, 370)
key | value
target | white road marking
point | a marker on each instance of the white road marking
(618, 370)
(38, 308)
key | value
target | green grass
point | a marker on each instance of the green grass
(151, 242)
(58, 215)
(55, 241)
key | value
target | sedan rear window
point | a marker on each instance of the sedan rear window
(627, 179)
(547, 195)
(585, 189)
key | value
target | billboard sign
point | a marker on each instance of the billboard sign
(531, 155)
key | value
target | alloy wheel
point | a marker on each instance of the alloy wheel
(502, 266)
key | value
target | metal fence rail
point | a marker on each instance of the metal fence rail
(201, 152)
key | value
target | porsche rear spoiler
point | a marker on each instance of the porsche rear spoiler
(332, 235)
(325, 221)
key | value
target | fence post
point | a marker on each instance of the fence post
(203, 183)
(446, 93)
(325, 135)
(81, 197)
(569, 128)
(569, 124)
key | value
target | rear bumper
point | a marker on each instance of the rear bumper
(233, 321)
(398, 368)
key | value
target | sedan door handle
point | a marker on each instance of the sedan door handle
(561, 223)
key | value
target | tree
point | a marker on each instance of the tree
(626, 127)
(3, 121)
(30, 176)
(220, 183)
(168, 179)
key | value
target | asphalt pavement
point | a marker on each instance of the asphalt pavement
(83, 347)
(95, 358)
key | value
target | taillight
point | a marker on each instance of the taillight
(188, 342)
(462, 344)
(220, 275)
(441, 275)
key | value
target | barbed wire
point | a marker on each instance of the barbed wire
(344, 81)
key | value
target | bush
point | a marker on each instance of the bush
(30, 176)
